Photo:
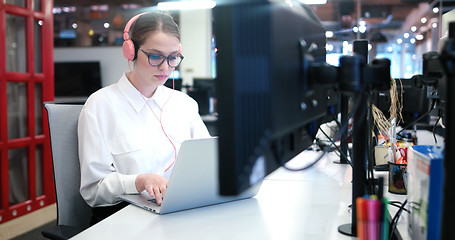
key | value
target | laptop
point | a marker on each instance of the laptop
(193, 182)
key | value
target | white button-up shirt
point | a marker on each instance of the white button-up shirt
(120, 137)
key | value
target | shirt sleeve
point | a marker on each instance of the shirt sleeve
(100, 182)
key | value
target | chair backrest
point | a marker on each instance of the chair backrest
(72, 210)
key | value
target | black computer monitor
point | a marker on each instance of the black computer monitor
(269, 108)
(413, 97)
(207, 84)
(76, 79)
(203, 91)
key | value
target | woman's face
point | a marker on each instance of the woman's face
(157, 42)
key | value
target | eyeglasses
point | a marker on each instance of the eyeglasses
(155, 60)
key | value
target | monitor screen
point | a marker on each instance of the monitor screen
(76, 79)
(205, 84)
(414, 100)
(268, 109)
(203, 91)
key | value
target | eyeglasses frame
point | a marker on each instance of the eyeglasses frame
(164, 59)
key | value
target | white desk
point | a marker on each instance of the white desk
(290, 205)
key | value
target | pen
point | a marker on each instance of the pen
(361, 218)
(384, 230)
(393, 140)
(373, 206)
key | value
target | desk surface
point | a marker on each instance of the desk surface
(290, 205)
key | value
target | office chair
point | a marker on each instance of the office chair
(73, 213)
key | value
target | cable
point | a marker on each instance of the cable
(394, 222)
(338, 136)
(161, 124)
(339, 126)
(161, 115)
(333, 143)
(418, 119)
(434, 130)
(398, 205)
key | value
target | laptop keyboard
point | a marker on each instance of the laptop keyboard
(153, 200)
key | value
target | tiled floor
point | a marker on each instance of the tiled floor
(29, 226)
(34, 234)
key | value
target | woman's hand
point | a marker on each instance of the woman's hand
(154, 184)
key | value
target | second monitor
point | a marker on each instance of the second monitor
(203, 91)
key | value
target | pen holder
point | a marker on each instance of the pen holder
(397, 178)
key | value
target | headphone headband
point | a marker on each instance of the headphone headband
(128, 26)
(129, 49)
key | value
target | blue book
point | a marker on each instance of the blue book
(425, 171)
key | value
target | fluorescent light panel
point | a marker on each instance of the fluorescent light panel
(182, 5)
(313, 2)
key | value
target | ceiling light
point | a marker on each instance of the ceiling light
(406, 35)
(182, 5)
(423, 20)
(328, 34)
(434, 25)
(419, 37)
(435, 10)
(313, 2)
(100, 7)
(131, 6)
(399, 41)
(355, 29)
(56, 10)
(347, 47)
(412, 40)
(362, 28)
(413, 28)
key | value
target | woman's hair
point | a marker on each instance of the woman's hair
(150, 22)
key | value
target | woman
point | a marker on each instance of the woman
(130, 132)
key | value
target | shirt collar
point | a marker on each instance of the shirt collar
(136, 99)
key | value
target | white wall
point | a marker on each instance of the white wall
(196, 38)
(112, 62)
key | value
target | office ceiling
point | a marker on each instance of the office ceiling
(61, 3)
(385, 16)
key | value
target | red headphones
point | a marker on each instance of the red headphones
(129, 49)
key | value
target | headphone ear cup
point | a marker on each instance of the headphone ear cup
(129, 51)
